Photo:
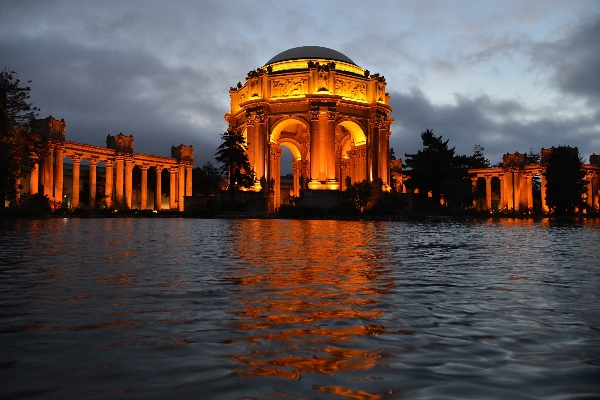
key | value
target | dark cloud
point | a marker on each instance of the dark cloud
(574, 59)
(161, 71)
(494, 124)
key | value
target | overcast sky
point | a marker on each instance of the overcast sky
(506, 75)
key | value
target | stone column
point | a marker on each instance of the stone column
(488, 192)
(251, 141)
(34, 176)
(332, 182)
(510, 195)
(503, 200)
(119, 200)
(527, 186)
(108, 189)
(173, 187)
(517, 190)
(76, 168)
(314, 182)
(373, 155)
(128, 181)
(596, 181)
(592, 190)
(158, 190)
(59, 153)
(188, 180)
(144, 200)
(545, 208)
(262, 140)
(181, 189)
(93, 163)
(48, 177)
(296, 172)
(275, 156)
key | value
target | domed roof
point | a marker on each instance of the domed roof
(308, 53)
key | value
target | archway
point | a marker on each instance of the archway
(298, 172)
(352, 157)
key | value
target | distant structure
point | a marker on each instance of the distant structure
(514, 183)
(330, 113)
(118, 160)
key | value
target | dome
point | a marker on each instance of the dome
(308, 53)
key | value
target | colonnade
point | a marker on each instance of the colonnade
(516, 186)
(118, 176)
(47, 173)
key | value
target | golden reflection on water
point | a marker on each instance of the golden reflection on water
(309, 293)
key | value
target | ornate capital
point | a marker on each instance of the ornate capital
(262, 118)
(250, 120)
(93, 160)
(144, 167)
(173, 169)
(159, 168)
(331, 115)
(314, 115)
(76, 158)
(109, 163)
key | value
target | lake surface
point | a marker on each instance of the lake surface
(272, 309)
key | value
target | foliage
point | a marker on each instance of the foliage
(532, 158)
(565, 180)
(360, 194)
(205, 180)
(478, 160)
(37, 204)
(458, 193)
(232, 154)
(392, 154)
(434, 165)
(17, 145)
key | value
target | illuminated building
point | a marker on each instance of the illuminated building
(330, 113)
(48, 174)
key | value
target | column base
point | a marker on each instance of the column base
(324, 185)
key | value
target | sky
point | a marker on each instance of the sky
(506, 75)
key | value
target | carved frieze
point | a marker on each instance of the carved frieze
(289, 87)
(351, 89)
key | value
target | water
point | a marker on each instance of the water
(271, 309)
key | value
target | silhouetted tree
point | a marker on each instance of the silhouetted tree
(565, 180)
(360, 193)
(17, 145)
(478, 160)
(232, 154)
(532, 157)
(434, 165)
(205, 179)
(392, 154)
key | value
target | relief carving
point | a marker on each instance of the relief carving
(288, 87)
(351, 89)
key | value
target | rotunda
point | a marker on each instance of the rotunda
(329, 112)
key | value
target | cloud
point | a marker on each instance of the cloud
(574, 59)
(497, 125)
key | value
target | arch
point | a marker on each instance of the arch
(358, 133)
(294, 146)
(283, 123)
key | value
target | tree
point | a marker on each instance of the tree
(18, 148)
(205, 179)
(360, 194)
(232, 154)
(434, 165)
(532, 158)
(565, 180)
(478, 160)
(392, 154)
